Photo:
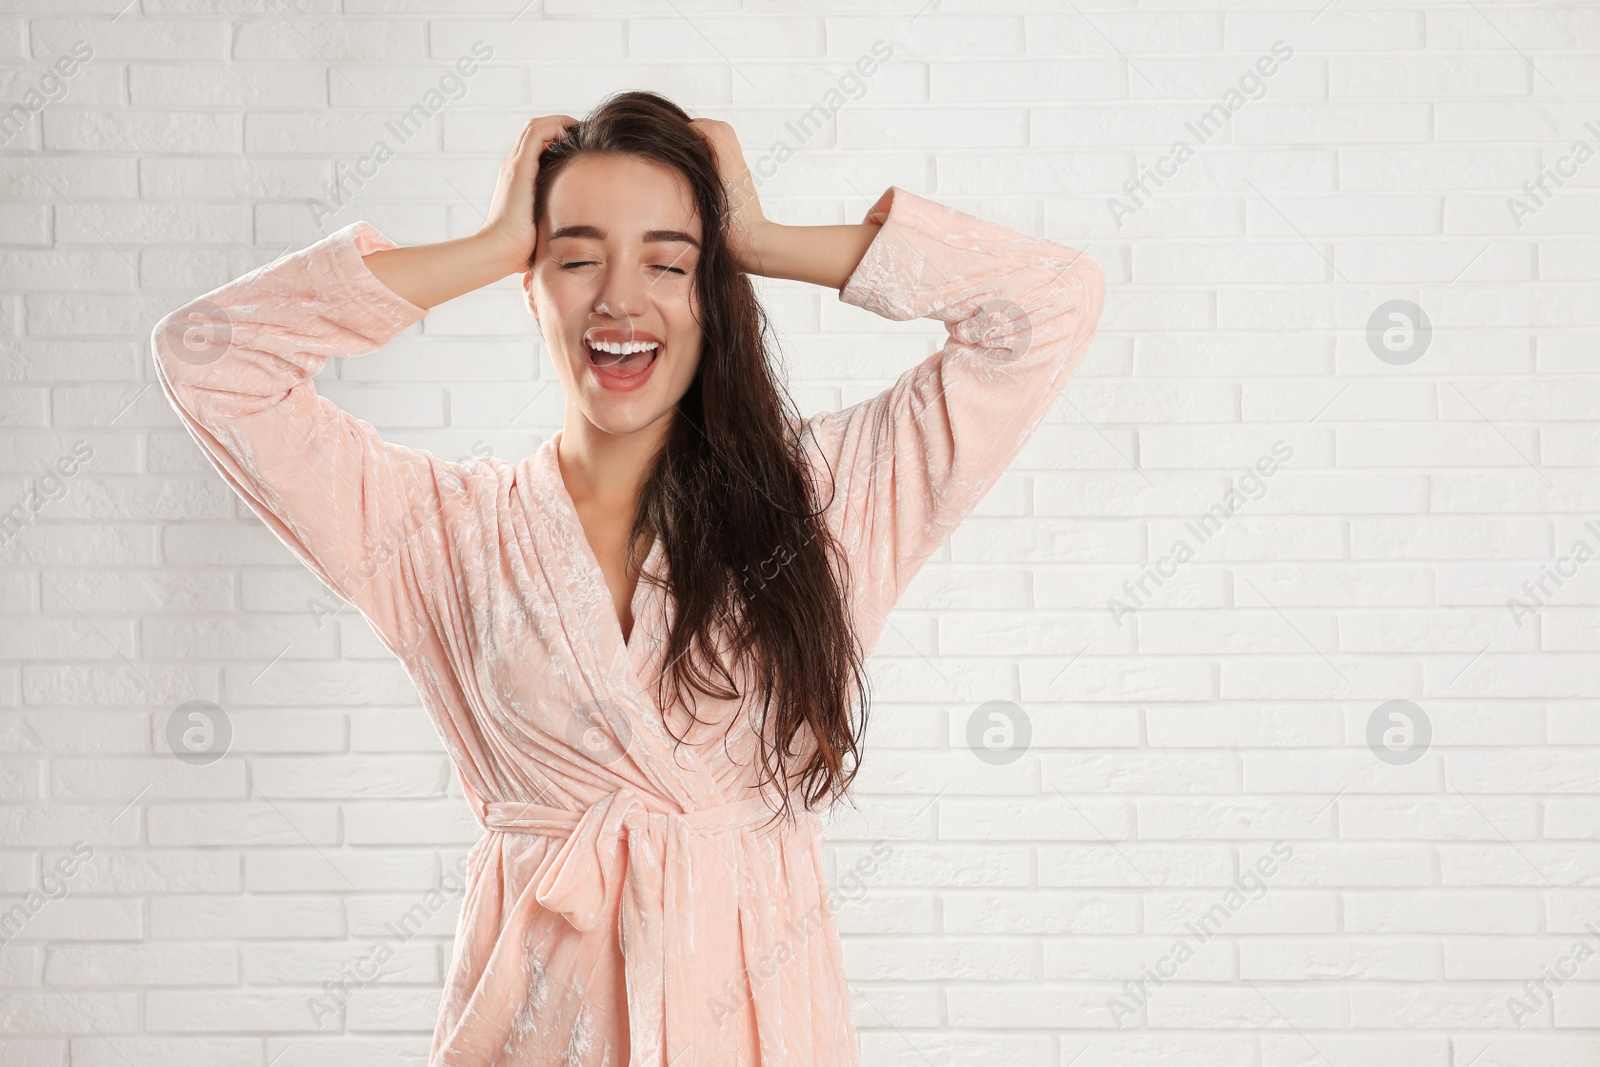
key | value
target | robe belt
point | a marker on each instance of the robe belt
(579, 877)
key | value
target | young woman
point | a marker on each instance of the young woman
(635, 899)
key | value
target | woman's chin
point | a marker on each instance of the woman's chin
(621, 415)
(629, 410)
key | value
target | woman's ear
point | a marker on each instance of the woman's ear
(527, 296)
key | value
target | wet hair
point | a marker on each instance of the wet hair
(757, 581)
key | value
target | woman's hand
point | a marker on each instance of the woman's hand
(428, 275)
(510, 222)
(746, 225)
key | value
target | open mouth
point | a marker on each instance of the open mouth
(620, 357)
(621, 366)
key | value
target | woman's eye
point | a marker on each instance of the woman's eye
(590, 262)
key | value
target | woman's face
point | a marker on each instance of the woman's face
(611, 266)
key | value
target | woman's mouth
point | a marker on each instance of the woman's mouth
(621, 367)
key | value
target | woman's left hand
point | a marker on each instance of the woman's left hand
(746, 224)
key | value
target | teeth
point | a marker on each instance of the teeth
(617, 348)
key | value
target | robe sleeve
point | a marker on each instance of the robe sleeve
(237, 365)
(910, 463)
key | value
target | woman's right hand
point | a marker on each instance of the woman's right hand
(428, 275)
(510, 222)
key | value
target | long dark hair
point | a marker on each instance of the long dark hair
(753, 569)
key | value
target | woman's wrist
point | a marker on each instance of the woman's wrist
(502, 253)
(431, 274)
(821, 255)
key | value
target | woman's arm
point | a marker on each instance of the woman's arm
(428, 275)
(372, 519)
(912, 462)
(237, 365)
(821, 255)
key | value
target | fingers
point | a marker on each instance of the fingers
(559, 128)
(721, 137)
(558, 123)
(541, 131)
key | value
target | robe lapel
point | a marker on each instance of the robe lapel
(615, 670)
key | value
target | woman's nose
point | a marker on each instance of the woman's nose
(621, 294)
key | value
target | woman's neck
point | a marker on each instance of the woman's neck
(606, 469)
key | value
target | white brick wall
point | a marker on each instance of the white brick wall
(990, 912)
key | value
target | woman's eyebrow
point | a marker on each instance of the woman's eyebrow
(650, 236)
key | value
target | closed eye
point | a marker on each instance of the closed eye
(590, 262)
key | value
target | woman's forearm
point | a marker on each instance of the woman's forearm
(428, 275)
(822, 255)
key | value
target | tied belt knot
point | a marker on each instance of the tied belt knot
(580, 876)
(688, 941)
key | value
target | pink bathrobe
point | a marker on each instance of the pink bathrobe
(624, 906)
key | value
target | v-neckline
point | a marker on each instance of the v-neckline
(635, 602)
(674, 773)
